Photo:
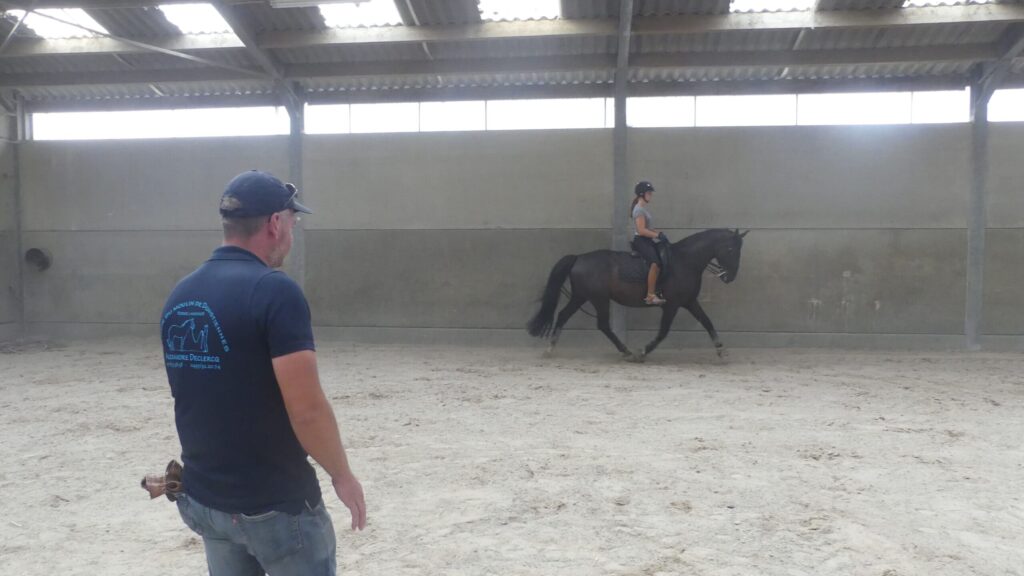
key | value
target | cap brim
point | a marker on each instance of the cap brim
(300, 208)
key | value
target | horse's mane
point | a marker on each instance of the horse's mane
(702, 236)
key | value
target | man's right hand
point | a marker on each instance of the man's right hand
(350, 492)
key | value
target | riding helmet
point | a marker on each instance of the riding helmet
(643, 187)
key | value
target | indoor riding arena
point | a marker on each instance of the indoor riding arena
(857, 162)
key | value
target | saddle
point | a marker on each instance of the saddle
(634, 270)
(169, 484)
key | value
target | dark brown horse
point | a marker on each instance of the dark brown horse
(595, 277)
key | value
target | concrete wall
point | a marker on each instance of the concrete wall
(1004, 245)
(124, 220)
(9, 283)
(448, 230)
(855, 230)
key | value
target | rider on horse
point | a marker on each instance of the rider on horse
(645, 239)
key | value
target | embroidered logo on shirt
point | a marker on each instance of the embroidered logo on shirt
(190, 329)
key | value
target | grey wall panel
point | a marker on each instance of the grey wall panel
(1004, 282)
(9, 281)
(435, 278)
(7, 223)
(806, 177)
(856, 229)
(1006, 179)
(8, 278)
(138, 185)
(466, 180)
(110, 277)
(845, 281)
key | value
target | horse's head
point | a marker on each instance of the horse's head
(727, 254)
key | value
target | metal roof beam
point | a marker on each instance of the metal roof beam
(926, 54)
(597, 90)
(162, 103)
(145, 46)
(488, 66)
(20, 47)
(891, 18)
(107, 4)
(453, 67)
(966, 53)
(993, 74)
(606, 90)
(693, 24)
(123, 77)
(690, 24)
(452, 33)
(236, 20)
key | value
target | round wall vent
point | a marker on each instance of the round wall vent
(38, 258)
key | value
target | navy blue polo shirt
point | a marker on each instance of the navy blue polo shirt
(220, 328)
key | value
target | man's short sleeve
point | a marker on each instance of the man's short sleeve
(283, 313)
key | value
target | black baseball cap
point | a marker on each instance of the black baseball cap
(255, 193)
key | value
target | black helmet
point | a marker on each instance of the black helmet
(643, 187)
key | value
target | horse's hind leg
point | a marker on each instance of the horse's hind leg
(574, 304)
(604, 325)
(698, 313)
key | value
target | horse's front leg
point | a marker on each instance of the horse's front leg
(668, 314)
(698, 313)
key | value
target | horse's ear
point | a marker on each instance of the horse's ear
(744, 233)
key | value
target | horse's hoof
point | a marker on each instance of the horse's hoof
(549, 352)
(722, 352)
(636, 358)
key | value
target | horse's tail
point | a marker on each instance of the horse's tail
(540, 324)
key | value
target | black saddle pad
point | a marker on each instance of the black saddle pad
(634, 269)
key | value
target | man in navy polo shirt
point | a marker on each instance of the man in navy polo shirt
(240, 358)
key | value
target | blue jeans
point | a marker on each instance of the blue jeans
(274, 543)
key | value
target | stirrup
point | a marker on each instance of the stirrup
(654, 300)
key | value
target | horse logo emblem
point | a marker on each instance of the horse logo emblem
(184, 337)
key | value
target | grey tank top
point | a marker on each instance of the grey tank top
(637, 211)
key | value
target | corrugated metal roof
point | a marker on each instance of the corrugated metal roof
(439, 12)
(351, 53)
(150, 23)
(142, 22)
(877, 71)
(413, 82)
(149, 91)
(671, 7)
(151, 60)
(266, 18)
(585, 9)
(59, 63)
(937, 34)
(734, 74)
(525, 47)
(859, 4)
(730, 41)
(119, 63)
(746, 73)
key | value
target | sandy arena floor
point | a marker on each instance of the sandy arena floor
(482, 461)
